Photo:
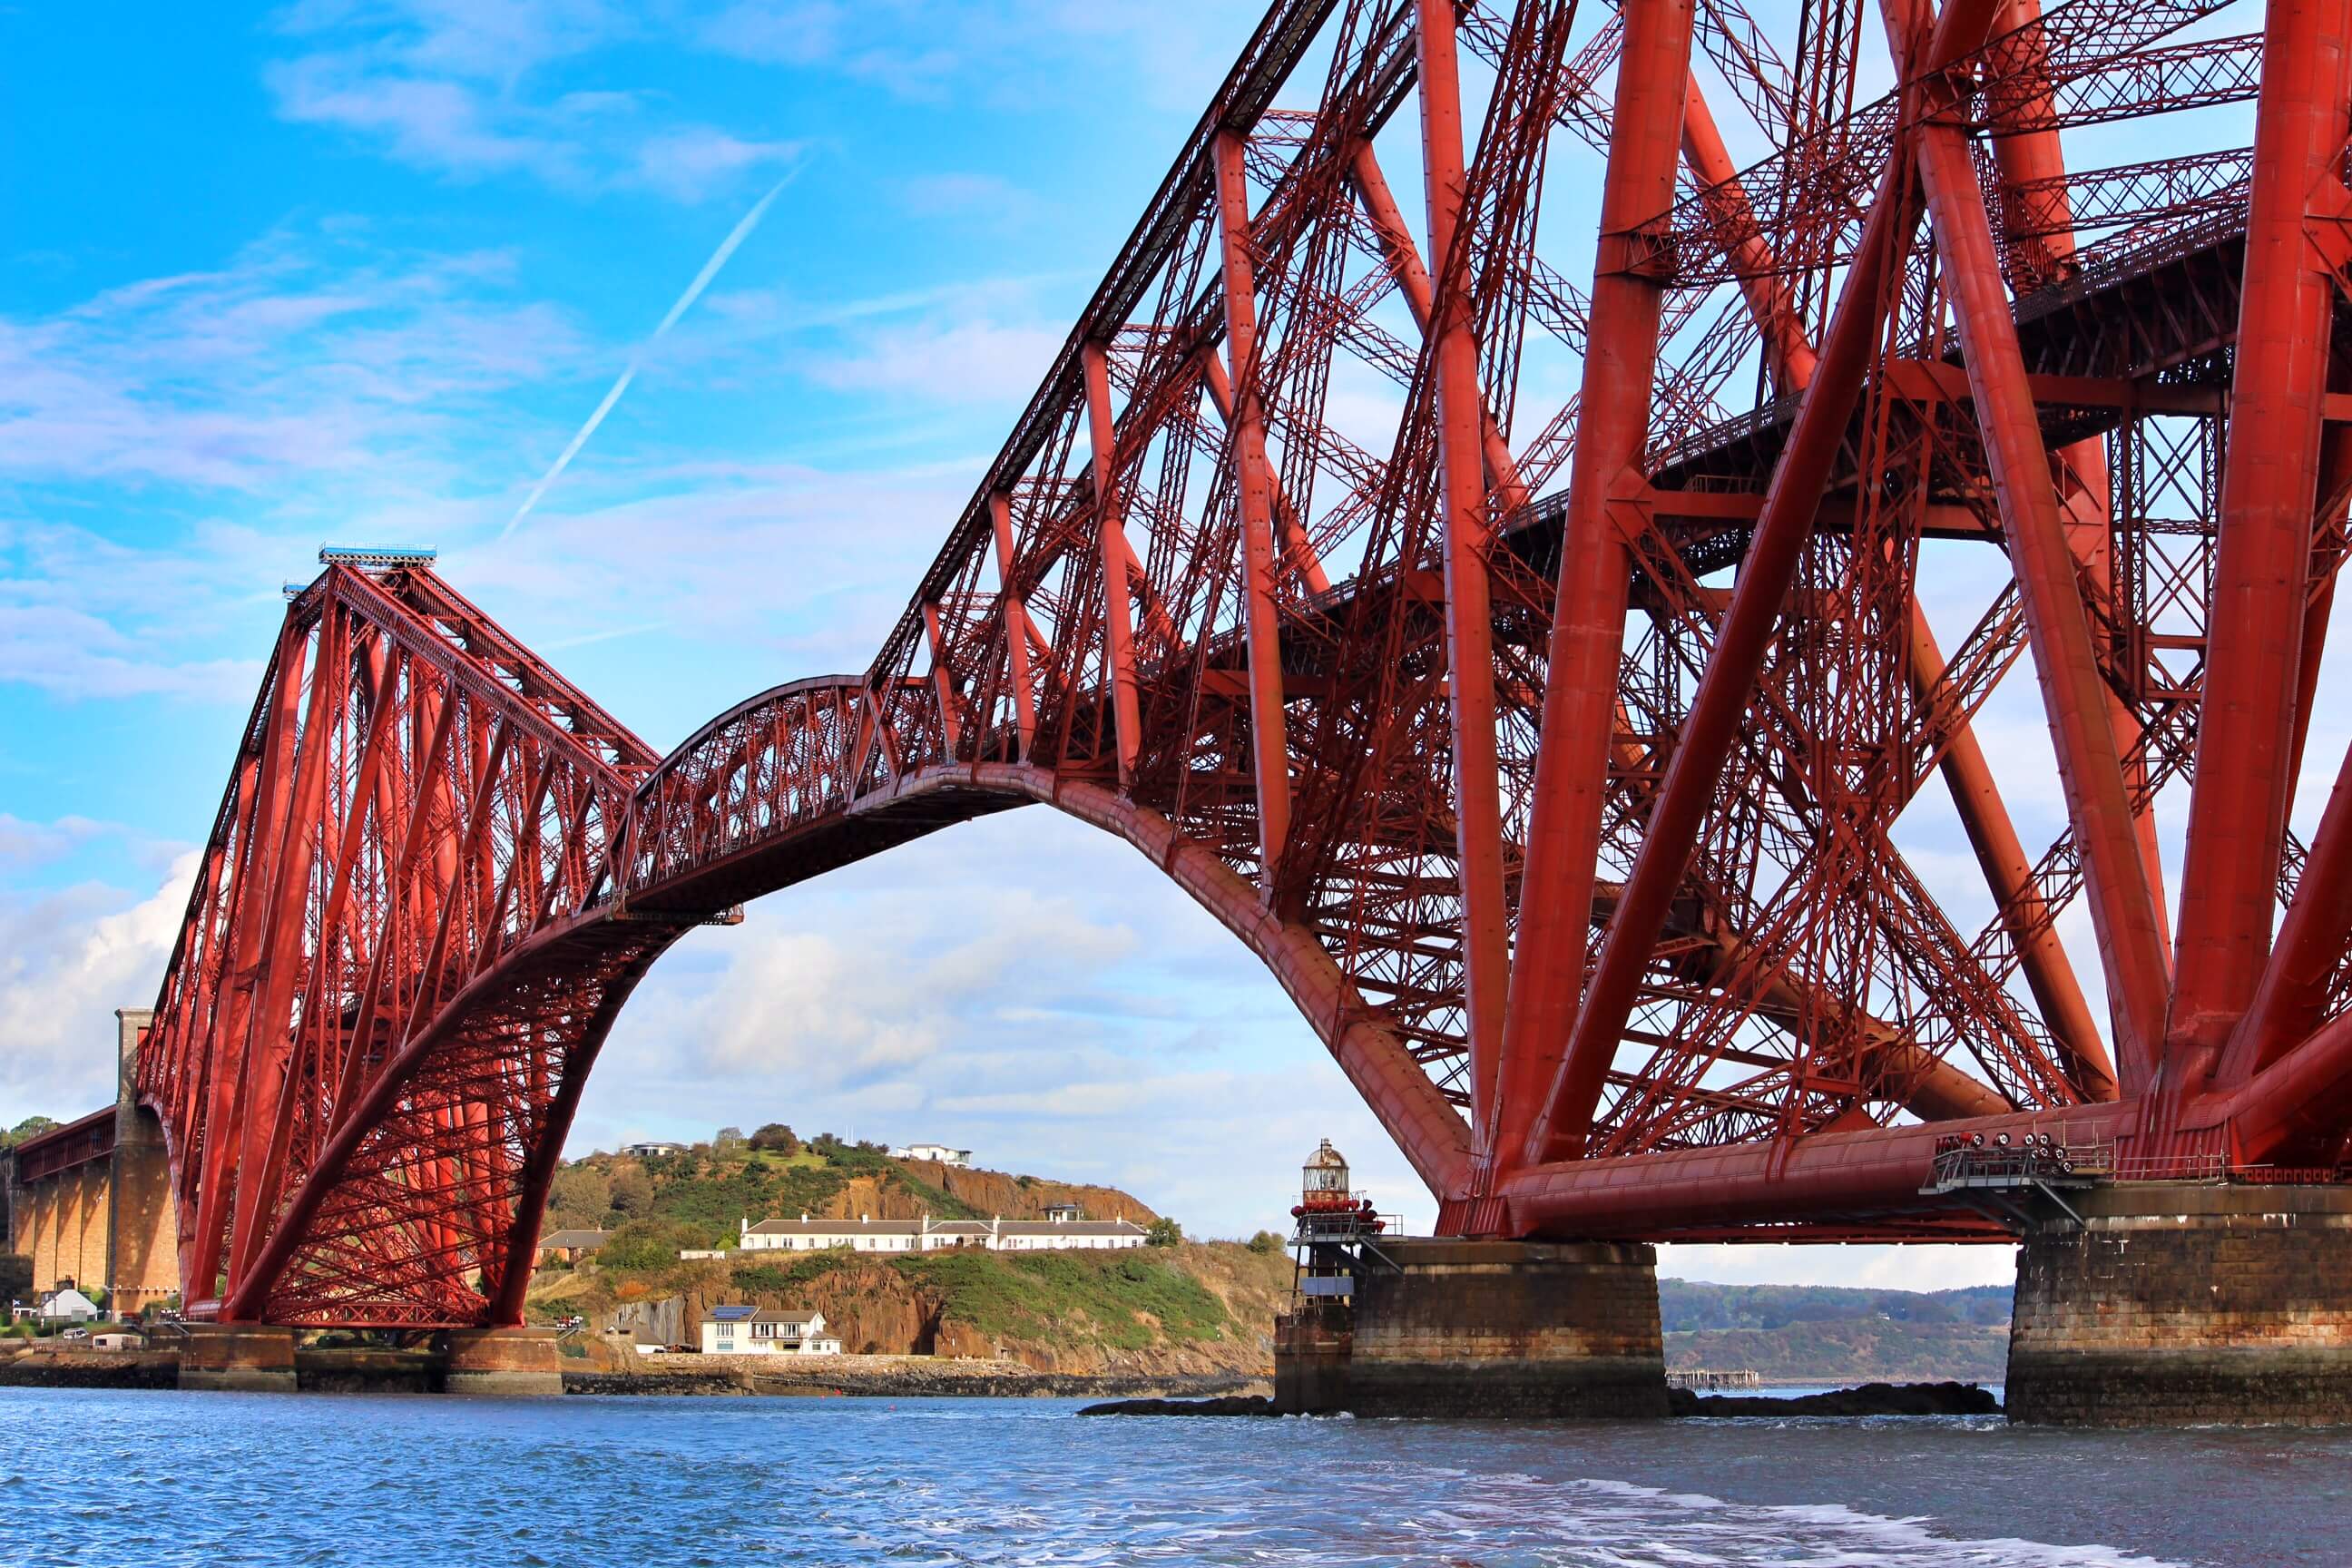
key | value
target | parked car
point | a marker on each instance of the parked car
(75, 1334)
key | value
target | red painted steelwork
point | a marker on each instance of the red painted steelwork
(1569, 822)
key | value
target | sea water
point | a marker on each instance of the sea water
(121, 1479)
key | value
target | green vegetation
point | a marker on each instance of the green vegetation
(1110, 1299)
(31, 1127)
(784, 1276)
(698, 1199)
(1264, 1241)
(1163, 1231)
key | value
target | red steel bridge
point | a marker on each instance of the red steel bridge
(1506, 627)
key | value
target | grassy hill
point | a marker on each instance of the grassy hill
(1194, 1308)
(1806, 1334)
(701, 1197)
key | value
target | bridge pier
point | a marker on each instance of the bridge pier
(2167, 1305)
(1483, 1329)
(244, 1358)
(504, 1363)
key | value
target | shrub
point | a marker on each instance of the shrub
(642, 1247)
(1165, 1232)
(1264, 1241)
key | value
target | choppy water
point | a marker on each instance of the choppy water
(119, 1480)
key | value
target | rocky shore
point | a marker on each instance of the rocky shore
(1869, 1399)
(879, 1377)
(59, 1368)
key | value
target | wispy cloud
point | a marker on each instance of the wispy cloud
(491, 87)
(1002, 51)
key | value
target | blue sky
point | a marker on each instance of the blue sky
(357, 271)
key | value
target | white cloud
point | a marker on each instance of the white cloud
(693, 161)
(1026, 986)
(68, 960)
(1885, 1267)
(469, 89)
(979, 362)
(1006, 50)
(433, 123)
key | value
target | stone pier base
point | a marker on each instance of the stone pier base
(1486, 1330)
(504, 1361)
(252, 1357)
(2178, 1305)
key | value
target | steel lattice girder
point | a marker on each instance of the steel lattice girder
(1579, 855)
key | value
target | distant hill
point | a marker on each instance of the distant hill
(1811, 1333)
(1686, 1305)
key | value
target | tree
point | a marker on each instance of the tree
(1165, 1232)
(31, 1127)
(15, 1277)
(725, 1139)
(633, 1192)
(1264, 1241)
(646, 1245)
(777, 1138)
(580, 1197)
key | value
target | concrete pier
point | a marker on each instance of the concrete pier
(2177, 1305)
(248, 1358)
(1483, 1329)
(504, 1361)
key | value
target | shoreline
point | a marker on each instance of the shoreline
(353, 1371)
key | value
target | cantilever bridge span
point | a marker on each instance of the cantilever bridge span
(1548, 721)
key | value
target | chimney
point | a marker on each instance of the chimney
(743, 1226)
(866, 1219)
(805, 1216)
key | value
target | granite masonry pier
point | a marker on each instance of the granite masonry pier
(1483, 1329)
(503, 1363)
(237, 1358)
(2178, 1305)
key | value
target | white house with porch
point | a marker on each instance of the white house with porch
(761, 1331)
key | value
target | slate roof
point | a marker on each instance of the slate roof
(575, 1239)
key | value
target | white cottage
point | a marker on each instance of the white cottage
(66, 1305)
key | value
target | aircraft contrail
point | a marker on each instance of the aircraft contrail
(727, 248)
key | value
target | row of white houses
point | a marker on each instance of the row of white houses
(1065, 1229)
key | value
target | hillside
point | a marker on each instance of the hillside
(1191, 1309)
(1802, 1334)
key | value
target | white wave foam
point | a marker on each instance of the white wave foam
(1831, 1535)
